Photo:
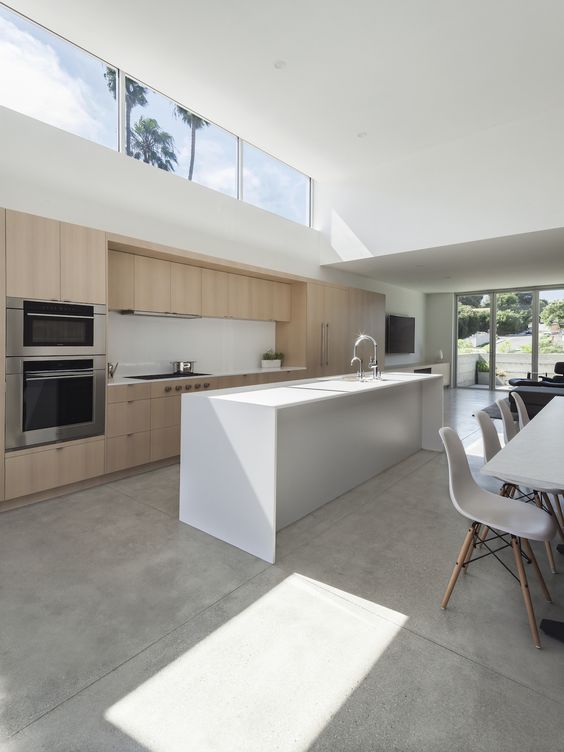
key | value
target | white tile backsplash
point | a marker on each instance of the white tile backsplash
(217, 345)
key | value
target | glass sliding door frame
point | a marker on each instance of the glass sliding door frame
(535, 315)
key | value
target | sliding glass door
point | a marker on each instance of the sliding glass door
(550, 330)
(527, 339)
(473, 351)
(513, 346)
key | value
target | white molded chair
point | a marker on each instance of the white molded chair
(490, 437)
(521, 410)
(509, 427)
(521, 521)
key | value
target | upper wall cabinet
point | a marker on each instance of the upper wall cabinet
(51, 260)
(186, 289)
(33, 257)
(152, 285)
(214, 293)
(83, 264)
(237, 296)
(121, 281)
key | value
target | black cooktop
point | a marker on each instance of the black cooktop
(168, 375)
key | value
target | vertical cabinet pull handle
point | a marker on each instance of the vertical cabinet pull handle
(327, 344)
(322, 344)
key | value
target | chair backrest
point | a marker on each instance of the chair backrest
(521, 410)
(462, 485)
(509, 427)
(559, 367)
(490, 437)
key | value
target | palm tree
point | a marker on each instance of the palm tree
(195, 123)
(135, 96)
(152, 145)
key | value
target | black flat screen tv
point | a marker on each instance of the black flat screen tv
(400, 334)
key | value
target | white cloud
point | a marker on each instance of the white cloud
(35, 83)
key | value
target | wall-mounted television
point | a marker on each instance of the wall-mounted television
(400, 334)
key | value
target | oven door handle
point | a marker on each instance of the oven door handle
(61, 315)
(55, 377)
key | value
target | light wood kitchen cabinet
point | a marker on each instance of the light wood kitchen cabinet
(239, 296)
(281, 301)
(128, 392)
(33, 257)
(83, 264)
(269, 301)
(367, 316)
(214, 293)
(165, 411)
(327, 330)
(34, 470)
(186, 289)
(261, 300)
(128, 417)
(165, 442)
(152, 284)
(121, 281)
(128, 451)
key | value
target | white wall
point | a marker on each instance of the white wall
(52, 173)
(217, 345)
(440, 325)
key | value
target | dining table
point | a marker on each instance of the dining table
(534, 459)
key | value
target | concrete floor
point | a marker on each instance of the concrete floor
(123, 629)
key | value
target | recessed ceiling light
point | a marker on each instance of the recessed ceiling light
(361, 134)
(447, 277)
(279, 64)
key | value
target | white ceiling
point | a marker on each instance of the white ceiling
(533, 258)
(412, 75)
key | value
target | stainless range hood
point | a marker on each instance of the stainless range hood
(161, 315)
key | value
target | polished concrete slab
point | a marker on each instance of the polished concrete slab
(122, 629)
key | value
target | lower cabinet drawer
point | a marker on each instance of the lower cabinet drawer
(165, 442)
(165, 412)
(40, 470)
(125, 418)
(128, 451)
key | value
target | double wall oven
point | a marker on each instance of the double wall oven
(55, 371)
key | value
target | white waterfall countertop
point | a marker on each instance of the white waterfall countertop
(255, 459)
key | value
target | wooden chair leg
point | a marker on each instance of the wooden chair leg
(551, 510)
(525, 591)
(547, 544)
(468, 540)
(559, 512)
(534, 562)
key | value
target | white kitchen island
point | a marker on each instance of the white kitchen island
(256, 459)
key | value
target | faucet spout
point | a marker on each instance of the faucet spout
(373, 363)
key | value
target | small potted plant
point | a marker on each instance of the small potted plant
(271, 359)
(482, 372)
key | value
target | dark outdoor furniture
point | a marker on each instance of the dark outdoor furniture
(536, 397)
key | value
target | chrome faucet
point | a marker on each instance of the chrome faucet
(373, 362)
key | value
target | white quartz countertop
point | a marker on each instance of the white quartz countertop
(291, 393)
(125, 379)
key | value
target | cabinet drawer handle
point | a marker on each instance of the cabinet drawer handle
(59, 449)
(130, 402)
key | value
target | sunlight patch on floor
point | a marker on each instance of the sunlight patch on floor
(270, 678)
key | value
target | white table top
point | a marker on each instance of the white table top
(535, 457)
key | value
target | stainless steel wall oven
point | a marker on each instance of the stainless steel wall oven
(55, 372)
(43, 327)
